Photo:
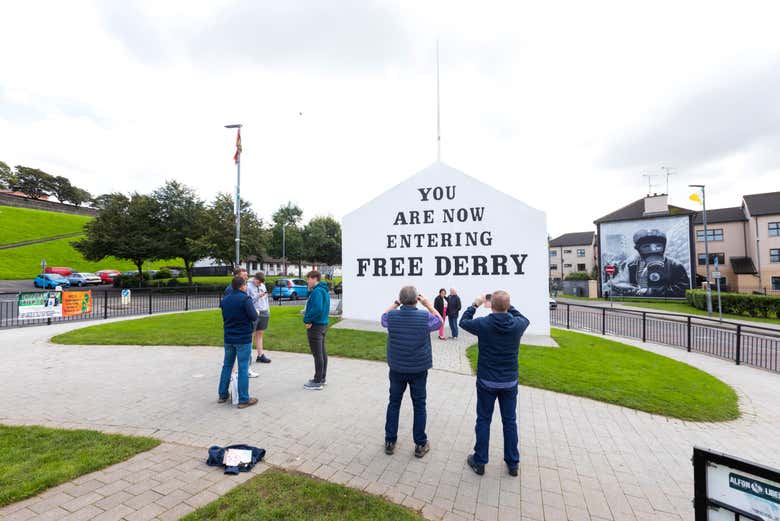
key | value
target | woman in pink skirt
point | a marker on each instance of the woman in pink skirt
(440, 305)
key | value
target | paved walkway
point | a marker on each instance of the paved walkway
(580, 459)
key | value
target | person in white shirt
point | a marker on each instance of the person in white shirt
(259, 295)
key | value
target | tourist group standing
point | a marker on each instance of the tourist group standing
(448, 306)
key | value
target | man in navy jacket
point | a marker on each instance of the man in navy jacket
(409, 357)
(499, 341)
(238, 317)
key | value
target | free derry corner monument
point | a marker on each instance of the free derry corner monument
(441, 228)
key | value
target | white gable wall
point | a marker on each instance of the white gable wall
(516, 259)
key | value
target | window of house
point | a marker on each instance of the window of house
(774, 229)
(775, 283)
(553, 253)
(774, 255)
(713, 234)
(720, 256)
(254, 266)
(581, 267)
(567, 265)
(581, 252)
(553, 266)
(566, 251)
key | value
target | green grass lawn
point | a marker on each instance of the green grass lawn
(617, 373)
(681, 307)
(285, 333)
(275, 495)
(33, 459)
(23, 224)
(25, 262)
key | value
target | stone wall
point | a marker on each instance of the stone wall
(35, 204)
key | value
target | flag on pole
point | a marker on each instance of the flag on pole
(237, 155)
(695, 197)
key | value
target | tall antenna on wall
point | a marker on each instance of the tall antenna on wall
(438, 107)
(669, 172)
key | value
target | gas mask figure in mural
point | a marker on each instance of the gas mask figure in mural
(651, 274)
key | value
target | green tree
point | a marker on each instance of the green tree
(62, 189)
(322, 240)
(182, 222)
(33, 182)
(79, 196)
(127, 228)
(7, 176)
(286, 239)
(219, 231)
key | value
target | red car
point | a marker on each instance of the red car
(107, 276)
(65, 272)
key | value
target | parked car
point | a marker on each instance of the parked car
(50, 281)
(292, 289)
(553, 304)
(107, 276)
(82, 278)
(65, 272)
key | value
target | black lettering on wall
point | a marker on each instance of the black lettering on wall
(400, 218)
(477, 213)
(499, 265)
(519, 260)
(396, 266)
(379, 267)
(471, 238)
(443, 265)
(362, 266)
(486, 238)
(415, 266)
(428, 216)
(414, 217)
(424, 193)
(446, 240)
(391, 240)
(449, 215)
(460, 262)
(462, 215)
(480, 265)
(438, 193)
(450, 192)
(433, 240)
(406, 241)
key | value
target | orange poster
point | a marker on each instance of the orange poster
(76, 303)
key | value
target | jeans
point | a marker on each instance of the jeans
(244, 353)
(417, 382)
(507, 403)
(453, 325)
(316, 334)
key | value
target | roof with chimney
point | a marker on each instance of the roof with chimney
(573, 239)
(636, 210)
(763, 204)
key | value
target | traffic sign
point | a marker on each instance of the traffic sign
(716, 274)
(610, 270)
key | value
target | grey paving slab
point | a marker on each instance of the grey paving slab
(580, 459)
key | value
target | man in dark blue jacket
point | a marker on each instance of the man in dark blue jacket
(316, 319)
(409, 357)
(499, 341)
(238, 317)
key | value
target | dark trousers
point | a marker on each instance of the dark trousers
(507, 403)
(453, 325)
(417, 383)
(316, 334)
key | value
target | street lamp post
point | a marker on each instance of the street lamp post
(284, 249)
(706, 247)
(238, 192)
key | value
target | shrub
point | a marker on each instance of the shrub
(173, 283)
(578, 275)
(737, 303)
(163, 273)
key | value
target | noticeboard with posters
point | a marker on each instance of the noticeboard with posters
(39, 304)
(76, 303)
(731, 489)
(652, 257)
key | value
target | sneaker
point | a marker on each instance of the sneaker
(258, 359)
(248, 403)
(311, 385)
(223, 400)
(253, 374)
(323, 382)
(422, 450)
(263, 359)
(389, 448)
(476, 467)
(513, 471)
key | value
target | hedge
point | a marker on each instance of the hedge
(578, 275)
(737, 303)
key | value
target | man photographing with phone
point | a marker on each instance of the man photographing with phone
(499, 335)
(409, 357)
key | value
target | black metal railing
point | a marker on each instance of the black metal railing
(756, 346)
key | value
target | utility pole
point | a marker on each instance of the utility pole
(706, 247)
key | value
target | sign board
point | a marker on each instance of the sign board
(716, 274)
(610, 270)
(76, 303)
(728, 488)
(444, 229)
(125, 297)
(39, 304)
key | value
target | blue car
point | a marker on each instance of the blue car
(50, 281)
(292, 289)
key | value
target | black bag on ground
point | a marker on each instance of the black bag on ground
(217, 457)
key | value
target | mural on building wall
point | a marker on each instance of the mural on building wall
(652, 257)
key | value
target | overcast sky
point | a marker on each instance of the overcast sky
(564, 105)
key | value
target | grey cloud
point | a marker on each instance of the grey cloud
(41, 107)
(335, 34)
(129, 25)
(740, 114)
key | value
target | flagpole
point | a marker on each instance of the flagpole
(238, 193)
(706, 247)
